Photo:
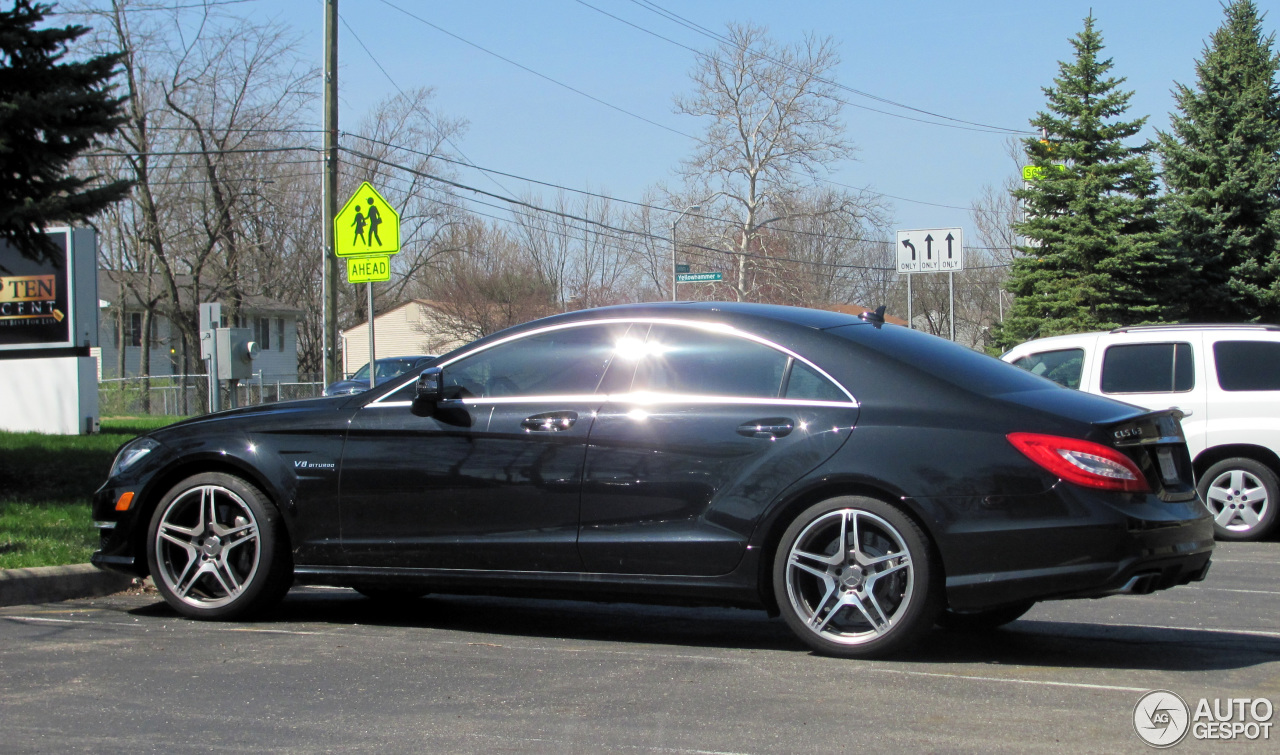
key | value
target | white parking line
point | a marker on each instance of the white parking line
(1252, 632)
(1232, 589)
(45, 620)
(1008, 680)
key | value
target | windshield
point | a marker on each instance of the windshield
(387, 368)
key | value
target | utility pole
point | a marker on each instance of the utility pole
(330, 269)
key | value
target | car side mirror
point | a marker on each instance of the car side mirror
(430, 386)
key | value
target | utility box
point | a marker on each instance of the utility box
(236, 352)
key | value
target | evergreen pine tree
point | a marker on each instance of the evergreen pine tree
(1093, 258)
(50, 111)
(1222, 169)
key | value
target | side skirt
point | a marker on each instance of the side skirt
(732, 589)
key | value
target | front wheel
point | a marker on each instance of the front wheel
(216, 548)
(1242, 495)
(855, 577)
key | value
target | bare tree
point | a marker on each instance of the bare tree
(489, 285)
(773, 124)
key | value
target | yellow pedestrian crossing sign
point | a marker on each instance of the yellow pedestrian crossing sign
(368, 224)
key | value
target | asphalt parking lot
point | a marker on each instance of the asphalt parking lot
(332, 671)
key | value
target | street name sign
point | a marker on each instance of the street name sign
(931, 250)
(698, 277)
(371, 269)
(682, 268)
(367, 224)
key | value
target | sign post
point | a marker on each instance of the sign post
(366, 232)
(932, 250)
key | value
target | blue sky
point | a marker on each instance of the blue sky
(976, 61)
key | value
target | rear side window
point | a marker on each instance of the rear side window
(805, 383)
(1148, 368)
(1062, 367)
(1248, 365)
(692, 361)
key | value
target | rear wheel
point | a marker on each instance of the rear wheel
(972, 621)
(216, 548)
(1242, 495)
(855, 577)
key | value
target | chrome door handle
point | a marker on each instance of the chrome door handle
(768, 429)
(549, 422)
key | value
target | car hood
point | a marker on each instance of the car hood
(326, 404)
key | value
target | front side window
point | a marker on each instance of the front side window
(1148, 368)
(569, 361)
(1248, 365)
(1063, 367)
(693, 361)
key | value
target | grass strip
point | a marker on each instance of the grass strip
(46, 484)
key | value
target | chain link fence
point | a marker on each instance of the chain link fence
(188, 395)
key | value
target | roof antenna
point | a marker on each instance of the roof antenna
(876, 318)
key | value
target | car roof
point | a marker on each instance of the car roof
(820, 319)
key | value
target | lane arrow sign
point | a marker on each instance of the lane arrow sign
(928, 247)
(907, 243)
(950, 238)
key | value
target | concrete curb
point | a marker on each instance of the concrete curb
(48, 584)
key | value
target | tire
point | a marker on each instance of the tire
(862, 602)
(1243, 496)
(390, 594)
(217, 549)
(976, 621)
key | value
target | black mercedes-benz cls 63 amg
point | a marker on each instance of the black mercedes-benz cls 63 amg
(863, 480)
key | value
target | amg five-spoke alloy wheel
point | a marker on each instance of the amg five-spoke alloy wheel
(854, 577)
(215, 550)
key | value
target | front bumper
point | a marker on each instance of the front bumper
(118, 548)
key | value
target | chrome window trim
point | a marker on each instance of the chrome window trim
(639, 398)
(713, 327)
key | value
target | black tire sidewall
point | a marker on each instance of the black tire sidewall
(1269, 482)
(925, 602)
(270, 580)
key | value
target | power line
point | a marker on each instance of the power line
(651, 122)
(558, 83)
(698, 29)
(199, 152)
(793, 231)
(377, 63)
(606, 226)
(975, 127)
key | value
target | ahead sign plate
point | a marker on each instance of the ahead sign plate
(931, 250)
(369, 269)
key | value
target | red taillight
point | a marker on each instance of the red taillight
(1082, 462)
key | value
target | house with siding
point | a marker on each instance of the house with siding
(121, 296)
(409, 329)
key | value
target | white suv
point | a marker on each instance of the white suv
(1224, 378)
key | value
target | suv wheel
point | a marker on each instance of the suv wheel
(1242, 495)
